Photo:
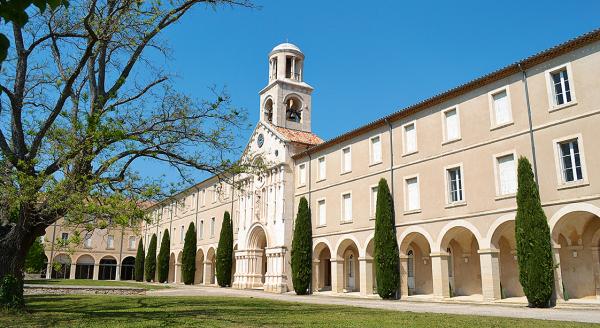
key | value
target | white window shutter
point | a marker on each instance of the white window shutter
(501, 108)
(322, 213)
(411, 140)
(451, 125)
(413, 194)
(347, 207)
(376, 149)
(347, 160)
(506, 172)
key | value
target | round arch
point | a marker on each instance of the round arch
(456, 224)
(577, 207)
(487, 241)
(319, 245)
(199, 274)
(64, 272)
(128, 268)
(255, 233)
(344, 240)
(406, 237)
(322, 265)
(84, 267)
(107, 268)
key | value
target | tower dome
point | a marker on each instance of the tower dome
(286, 46)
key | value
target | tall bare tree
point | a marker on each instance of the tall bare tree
(81, 101)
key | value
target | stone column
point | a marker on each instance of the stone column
(118, 272)
(596, 266)
(337, 276)
(96, 271)
(558, 288)
(439, 274)
(365, 267)
(404, 276)
(490, 274)
(316, 273)
(72, 272)
(176, 273)
(206, 276)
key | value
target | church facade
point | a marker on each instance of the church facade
(450, 162)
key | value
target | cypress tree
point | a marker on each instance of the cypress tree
(150, 263)
(534, 249)
(302, 250)
(139, 262)
(386, 260)
(162, 262)
(188, 260)
(225, 252)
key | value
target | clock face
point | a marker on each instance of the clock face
(261, 140)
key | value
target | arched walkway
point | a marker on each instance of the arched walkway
(257, 257)
(171, 276)
(415, 265)
(199, 267)
(347, 267)
(321, 267)
(128, 268)
(464, 269)
(61, 267)
(576, 239)
(107, 268)
(209, 267)
(503, 240)
(370, 279)
(84, 268)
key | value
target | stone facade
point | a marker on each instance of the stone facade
(451, 165)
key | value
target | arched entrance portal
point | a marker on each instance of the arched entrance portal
(576, 238)
(209, 267)
(322, 267)
(257, 257)
(504, 241)
(128, 268)
(107, 268)
(61, 267)
(84, 268)
(347, 268)
(370, 280)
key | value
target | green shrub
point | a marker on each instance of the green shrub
(139, 261)
(534, 248)
(387, 264)
(188, 260)
(11, 293)
(302, 250)
(225, 252)
(162, 262)
(150, 263)
(35, 261)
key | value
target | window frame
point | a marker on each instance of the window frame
(321, 223)
(372, 160)
(406, 195)
(213, 223)
(405, 152)
(302, 174)
(201, 230)
(343, 219)
(342, 161)
(561, 183)
(321, 177)
(493, 121)
(110, 238)
(463, 200)
(445, 139)
(552, 106)
(132, 246)
(495, 163)
(373, 202)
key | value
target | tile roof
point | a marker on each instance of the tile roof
(307, 138)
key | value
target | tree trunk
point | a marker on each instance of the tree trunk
(14, 246)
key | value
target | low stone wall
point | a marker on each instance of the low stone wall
(81, 290)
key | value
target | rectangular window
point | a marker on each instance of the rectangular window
(570, 160)
(110, 242)
(64, 236)
(131, 242)
(347, 207)
(373, 200)
(507, 175)
(302, 174)
(322, 212)
(201, 229)
(322, 168)
(346, 160)
(181, 237)
(455, 185)
(561, 87)
(212, 227)
(451, 124)
(410, 138)
(501, 106)
(375, 150)
(412, 194)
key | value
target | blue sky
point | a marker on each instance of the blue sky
(365, 59)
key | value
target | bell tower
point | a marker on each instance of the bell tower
(286, 100)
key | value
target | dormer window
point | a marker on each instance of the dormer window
(293, 110)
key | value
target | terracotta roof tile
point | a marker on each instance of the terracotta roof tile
(307, 138)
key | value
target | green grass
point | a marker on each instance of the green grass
(143, 311)
(89, 282)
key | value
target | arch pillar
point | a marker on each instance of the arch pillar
(96, 271)
(337, 275)
(118, 273)
(275, 277)
(315, 274)
(558, 284)
(439, 271)
(404, 276)
(72, 271)
(207, 274)
(490, 274)
(596, 266)
(365, 265)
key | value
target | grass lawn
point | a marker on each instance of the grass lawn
(89, 282)
(143, 311)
